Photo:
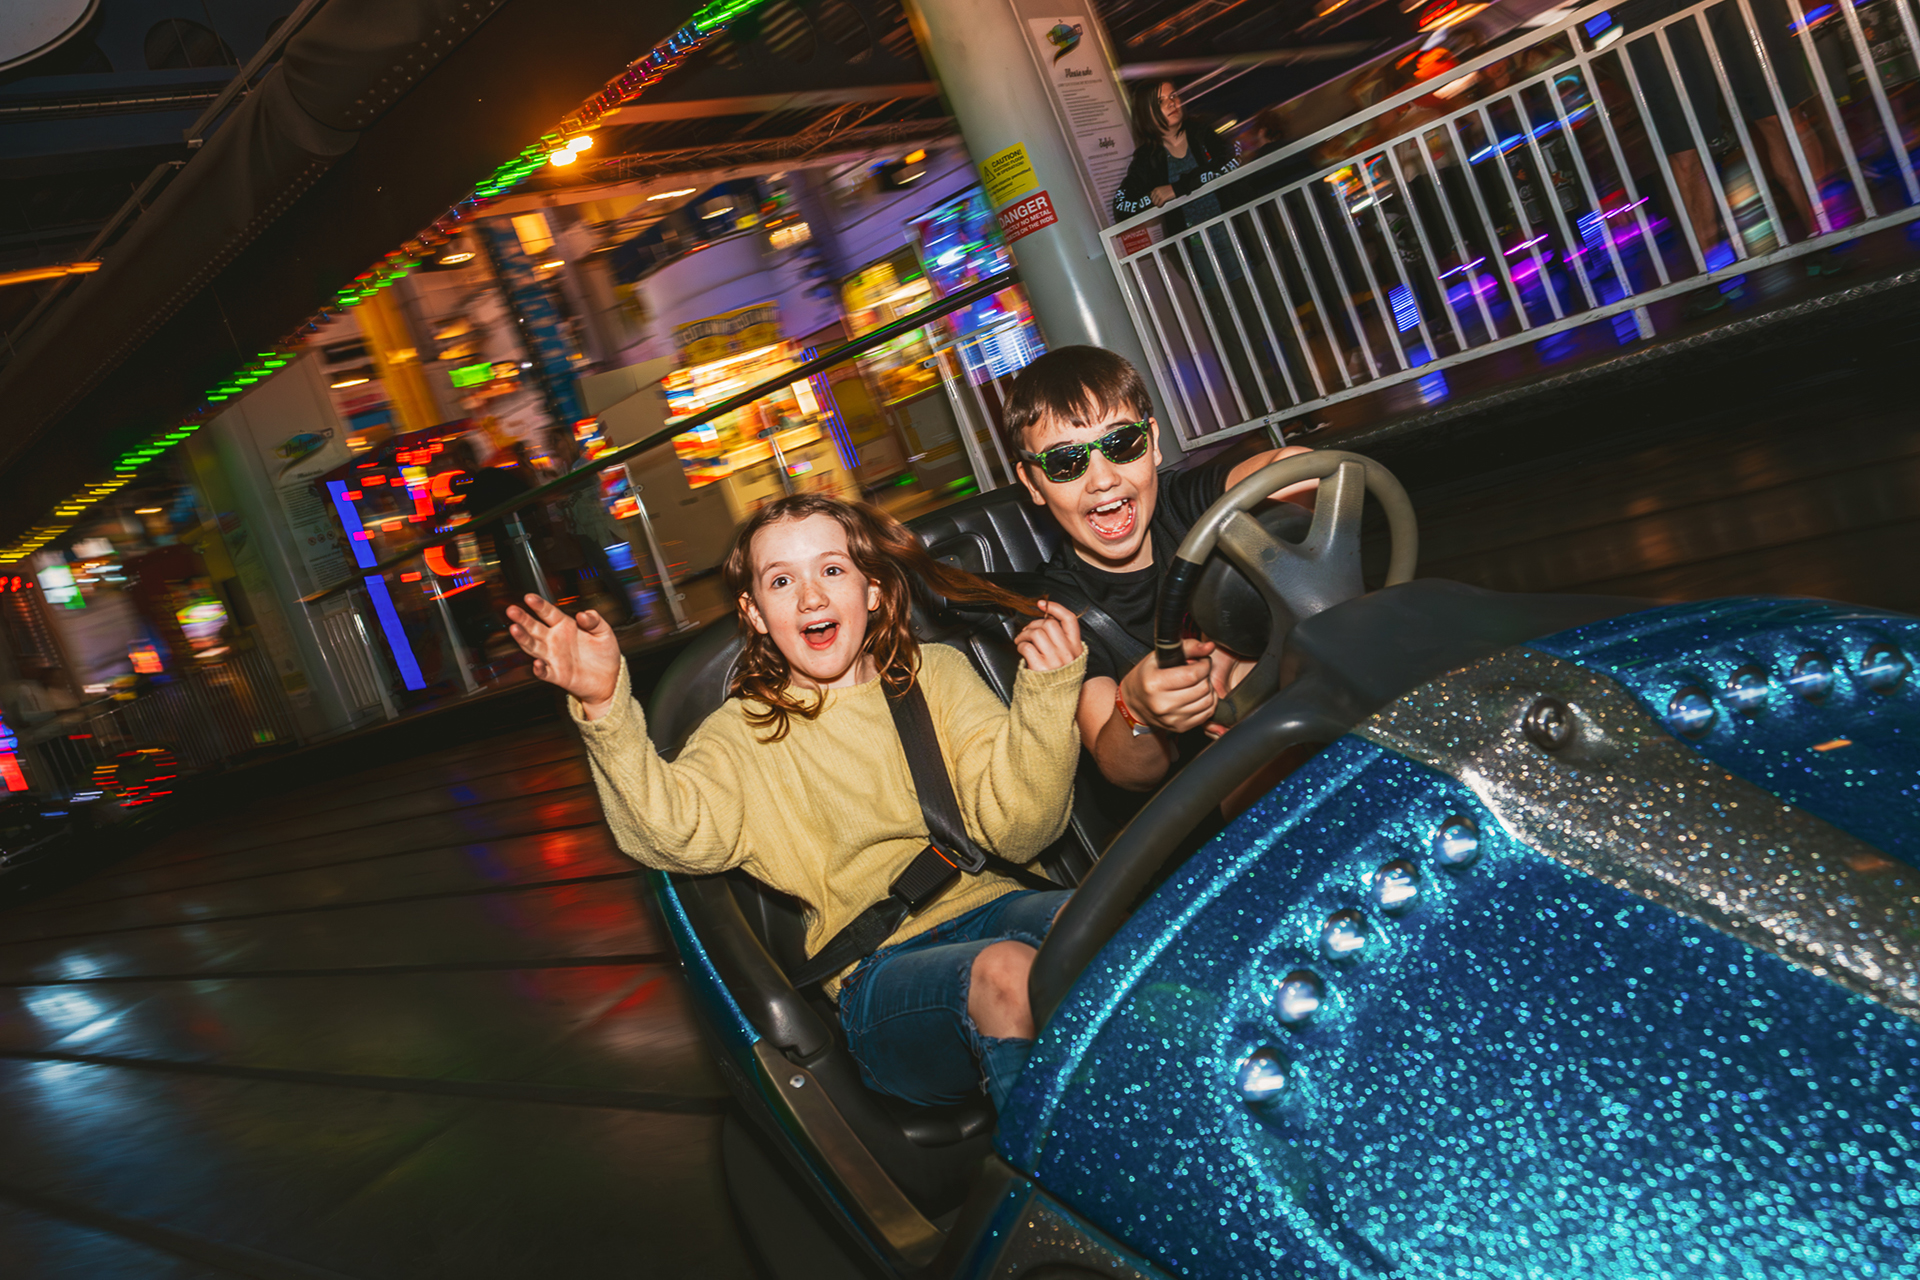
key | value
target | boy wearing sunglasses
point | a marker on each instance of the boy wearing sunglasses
(1082, 422)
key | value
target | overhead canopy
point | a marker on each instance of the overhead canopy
(28, 28)
(379, 115)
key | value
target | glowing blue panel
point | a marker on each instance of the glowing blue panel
(357, 536)
(396, 634)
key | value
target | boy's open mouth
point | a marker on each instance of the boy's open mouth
(1112, 521)
(820, 634)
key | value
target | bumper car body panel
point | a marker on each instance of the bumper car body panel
(1476, 993)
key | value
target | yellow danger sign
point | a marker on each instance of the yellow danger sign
(1007, 175)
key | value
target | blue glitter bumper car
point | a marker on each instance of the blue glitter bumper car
(1587, 945)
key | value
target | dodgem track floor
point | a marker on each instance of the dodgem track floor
(407, 1022)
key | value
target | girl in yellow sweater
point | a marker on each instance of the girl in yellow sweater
(801, 780)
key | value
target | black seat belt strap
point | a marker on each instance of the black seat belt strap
(1117, 637)
(949, 852)
(913, 719)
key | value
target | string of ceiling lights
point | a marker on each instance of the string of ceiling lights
(559, 146)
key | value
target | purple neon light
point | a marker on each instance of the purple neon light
(396, 634)
(830, 410)
(350, 521)
(376, 587)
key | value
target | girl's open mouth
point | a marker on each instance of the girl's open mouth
(820, 635)
(1113, 521)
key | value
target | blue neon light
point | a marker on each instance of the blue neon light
(1406, 312)
(1593, 231)
(396, 634)
(1513, 140)
(376, 587)
(1597, 23)
(830, 414)
(350, 521)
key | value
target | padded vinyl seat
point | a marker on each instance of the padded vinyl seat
(999, 531)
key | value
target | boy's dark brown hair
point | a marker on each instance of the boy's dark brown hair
(889, 554)
(1074, 385)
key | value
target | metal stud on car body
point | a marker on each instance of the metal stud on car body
(1343, 936)
(1691, 712)
(1395, 887)
(1457, 842)
(1298, 997)
(1262, 1076)
(1883, 668)
(1548, 724)
(1811, 678)
(1748, 689)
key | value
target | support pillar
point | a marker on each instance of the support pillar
(981, 53)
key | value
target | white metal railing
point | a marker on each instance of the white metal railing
(1622, 155)
(128, 751)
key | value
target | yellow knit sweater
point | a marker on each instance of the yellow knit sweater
(828, 814)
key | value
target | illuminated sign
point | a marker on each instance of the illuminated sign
(57, 581)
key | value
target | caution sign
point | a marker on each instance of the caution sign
(1027, 217)
(1007, 174)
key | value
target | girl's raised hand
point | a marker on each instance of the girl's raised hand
(578, 653)
(1052, 640)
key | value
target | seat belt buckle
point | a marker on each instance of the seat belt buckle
(971, 863)
(925, 878)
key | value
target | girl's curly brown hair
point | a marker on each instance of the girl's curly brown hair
(889, 554)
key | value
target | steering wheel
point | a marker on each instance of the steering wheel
(1297, 579)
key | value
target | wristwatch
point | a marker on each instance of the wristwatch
(1135, 723)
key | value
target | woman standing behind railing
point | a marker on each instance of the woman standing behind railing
(1170, 160)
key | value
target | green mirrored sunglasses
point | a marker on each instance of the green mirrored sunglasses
(1067, 462)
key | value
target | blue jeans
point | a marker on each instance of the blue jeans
(904, 1008)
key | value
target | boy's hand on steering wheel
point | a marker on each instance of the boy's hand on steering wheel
(1052, 640)
(1173, 698)
(578, 653)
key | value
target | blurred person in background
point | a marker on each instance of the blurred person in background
(1266, 134)
(1668, 127)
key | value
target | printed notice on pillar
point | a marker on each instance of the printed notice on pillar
(1088, 93)
(1027, 217)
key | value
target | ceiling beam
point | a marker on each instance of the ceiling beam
(813, 99)
(794, 149)
(764, 103)
(1272, 57)
(709, 166)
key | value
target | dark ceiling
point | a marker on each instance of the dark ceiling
(83, 126)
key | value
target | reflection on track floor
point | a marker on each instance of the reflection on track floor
(408, 1023)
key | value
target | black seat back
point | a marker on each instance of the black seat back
(999, 531)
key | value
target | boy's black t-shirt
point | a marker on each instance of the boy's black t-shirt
(1130, 597)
